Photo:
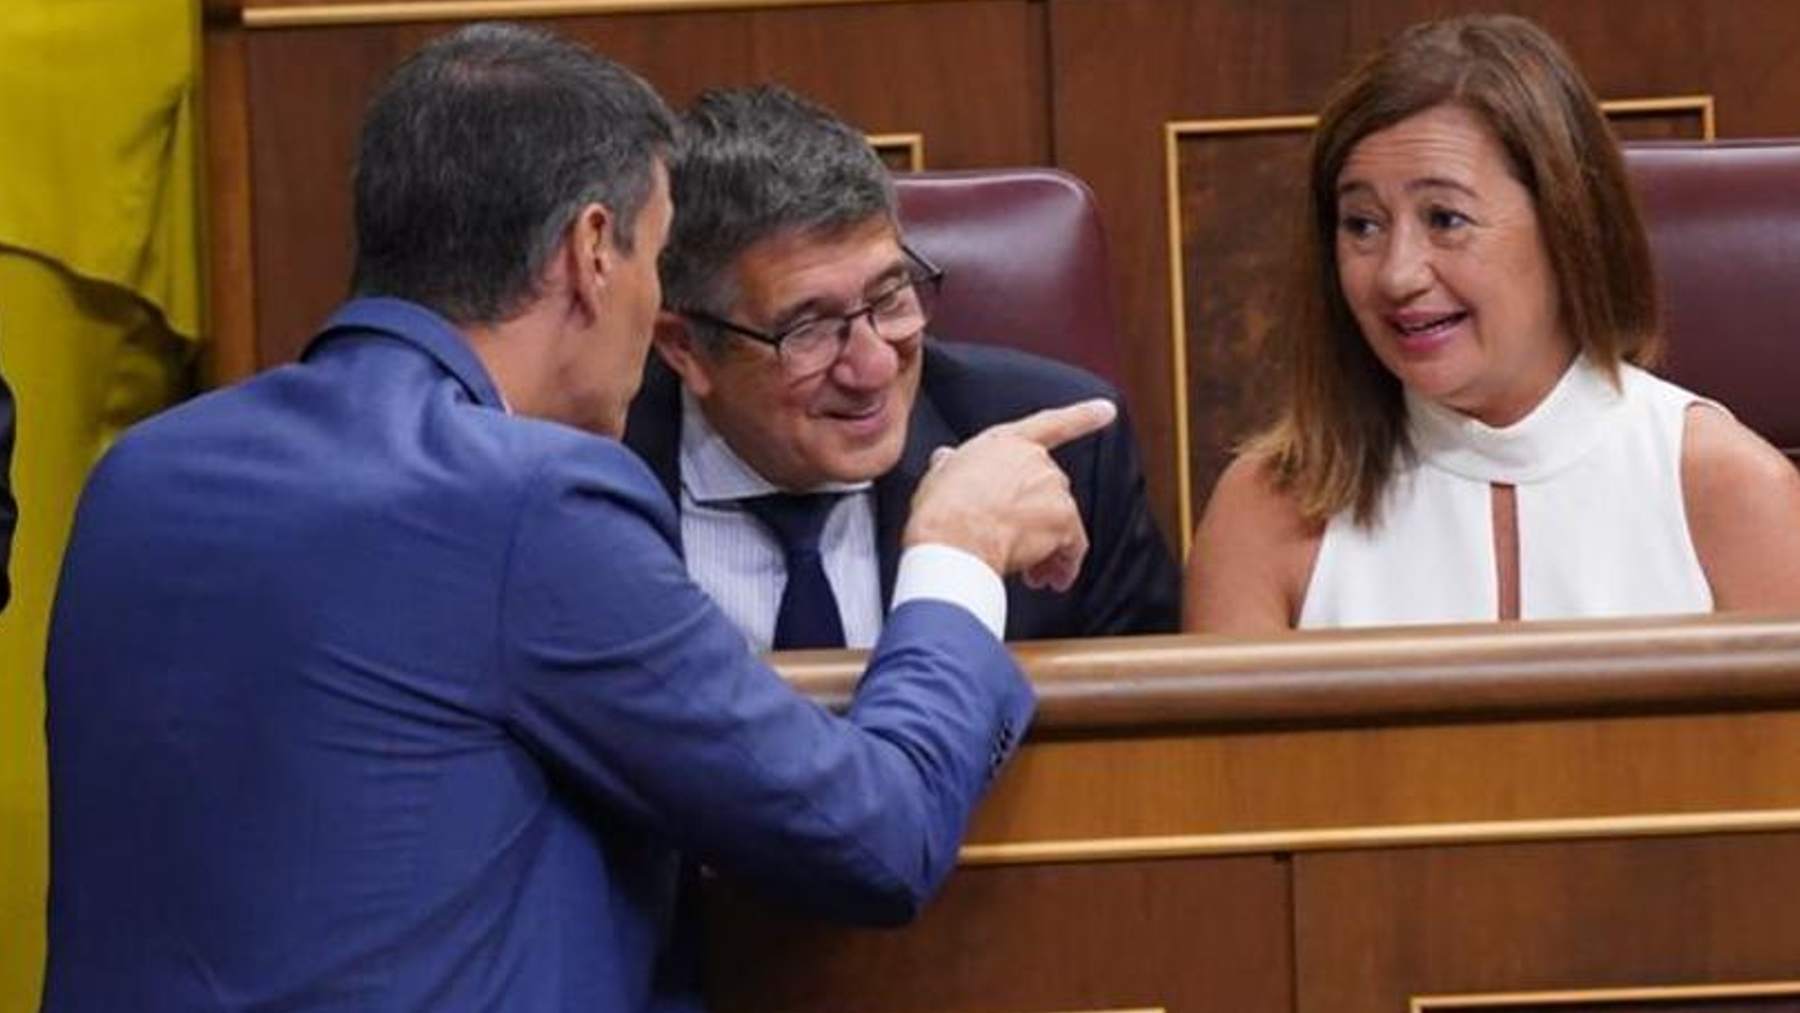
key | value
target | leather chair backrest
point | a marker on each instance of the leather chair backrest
(1724, 223)
(1026, 261)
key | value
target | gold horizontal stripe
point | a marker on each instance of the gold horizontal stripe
(1258, 124)
(1660, 104)
(1241, 125)
(1702, 104)
(1115, 849)
(911, 143)
(329, 14)
(1600, 996)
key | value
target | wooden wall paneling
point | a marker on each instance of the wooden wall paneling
(1122, 69)
(307, 89)
(1238, 185)
(1185, 936)
(1677, 118)
(1189, 792)
(230, 327)
(1644, 50)
(964, 75)
(1742, 53)
(889, 68)
(1753, 43)
(1375, 929)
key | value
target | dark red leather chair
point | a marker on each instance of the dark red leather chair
(1724, 223)
(1026, 261)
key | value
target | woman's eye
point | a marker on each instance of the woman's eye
(1357, 226)
(1445, 219)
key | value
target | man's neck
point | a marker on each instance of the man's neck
(506, 352)
(713, 471)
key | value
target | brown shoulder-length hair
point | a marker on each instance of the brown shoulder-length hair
(1337, 437)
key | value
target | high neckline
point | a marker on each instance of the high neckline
(1563, 427)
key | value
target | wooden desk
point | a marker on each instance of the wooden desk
(1386, 820)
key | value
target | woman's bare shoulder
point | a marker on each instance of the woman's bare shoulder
(1721, 454)
(1742, 499)
(1252, 554)
(1248, 500)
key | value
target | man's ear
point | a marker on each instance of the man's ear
(593, 258)
(682, 351)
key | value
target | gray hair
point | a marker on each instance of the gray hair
(479, 152)
(754, 163)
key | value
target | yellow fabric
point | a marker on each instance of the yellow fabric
(101, 170)
(99, 311)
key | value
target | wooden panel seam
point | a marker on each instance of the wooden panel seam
(1409, 835)
(1605, 996)
(396, 11)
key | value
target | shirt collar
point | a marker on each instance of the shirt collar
(417, 326)
(711, 472)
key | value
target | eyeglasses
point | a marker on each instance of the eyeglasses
(897, 314)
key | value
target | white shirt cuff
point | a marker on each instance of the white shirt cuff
(948, 574)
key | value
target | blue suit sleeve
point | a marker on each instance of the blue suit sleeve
(626, 679)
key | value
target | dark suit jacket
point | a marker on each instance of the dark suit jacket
(364, 694)
(1129, 583)
(9, 510)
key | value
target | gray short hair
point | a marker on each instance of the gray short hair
(754, 163)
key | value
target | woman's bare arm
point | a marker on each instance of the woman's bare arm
(1252, 556)
(1743, 510)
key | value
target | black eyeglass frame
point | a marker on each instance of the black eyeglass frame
(933, 276)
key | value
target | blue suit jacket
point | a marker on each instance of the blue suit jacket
(364, 694)
(1129, 582)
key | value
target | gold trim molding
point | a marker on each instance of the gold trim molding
(1702, 104)
(316, 15)
(1409, 835)
(1175, 130)
(912, 144)
(1605, 996)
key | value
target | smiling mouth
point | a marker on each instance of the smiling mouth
(858, 414)
(1420, 328)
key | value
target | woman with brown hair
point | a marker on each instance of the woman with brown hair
(1467, 433)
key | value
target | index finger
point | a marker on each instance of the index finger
(1053, 427)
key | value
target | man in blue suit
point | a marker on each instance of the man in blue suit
(795, 362)
(377, 682)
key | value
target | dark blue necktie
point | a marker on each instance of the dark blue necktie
(808, 616)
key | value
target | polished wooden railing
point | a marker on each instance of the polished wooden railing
(1536, 816)
(1383, 675)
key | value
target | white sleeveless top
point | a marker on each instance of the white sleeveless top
(1602, 528)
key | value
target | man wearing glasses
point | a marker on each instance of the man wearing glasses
(801, 402)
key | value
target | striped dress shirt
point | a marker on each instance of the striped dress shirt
(738, 562)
